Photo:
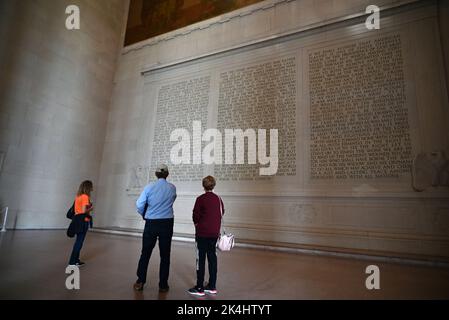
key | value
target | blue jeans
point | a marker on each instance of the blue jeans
(75, 256)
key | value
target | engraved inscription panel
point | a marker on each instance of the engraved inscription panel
(178, 105)
(358, 117)
(262, 96)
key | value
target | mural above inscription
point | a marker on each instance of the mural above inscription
(149, 18)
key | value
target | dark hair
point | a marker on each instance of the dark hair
(163, 174)
(86, 187)
(209, 183)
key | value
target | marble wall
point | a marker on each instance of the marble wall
(73, 107)
(55, 89)
(339, 208)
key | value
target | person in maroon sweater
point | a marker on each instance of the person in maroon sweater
(207, 214)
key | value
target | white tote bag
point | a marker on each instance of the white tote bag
(225, 241)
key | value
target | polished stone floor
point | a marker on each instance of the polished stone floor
(32, 266)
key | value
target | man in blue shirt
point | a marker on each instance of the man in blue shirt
(155, 205)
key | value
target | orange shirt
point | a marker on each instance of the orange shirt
(80, 202)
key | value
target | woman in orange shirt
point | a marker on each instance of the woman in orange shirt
(82, 218)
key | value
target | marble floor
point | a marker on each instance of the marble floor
(32, 266)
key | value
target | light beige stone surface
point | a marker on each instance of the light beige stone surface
(63, 120)
(55, 89)
(382, 215)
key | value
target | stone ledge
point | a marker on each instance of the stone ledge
(368, 255)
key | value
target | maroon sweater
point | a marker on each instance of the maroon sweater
(207, 216)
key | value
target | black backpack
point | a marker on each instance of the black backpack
(71, 213)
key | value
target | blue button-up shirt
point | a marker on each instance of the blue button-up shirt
(159, 196)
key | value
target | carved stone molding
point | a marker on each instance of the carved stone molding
(2, 159)
(430, 170)
(302, 213)
(225, 18)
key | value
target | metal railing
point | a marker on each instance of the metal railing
(4, 219)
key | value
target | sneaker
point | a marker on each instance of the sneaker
(164, 289)
(210, 290)
(196, 291)
(80, 264)
(138, 286)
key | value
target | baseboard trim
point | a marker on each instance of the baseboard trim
(315, 252)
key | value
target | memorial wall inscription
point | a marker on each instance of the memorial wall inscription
(178, 105)
(359, 125)
(352, 107)
(261, 96)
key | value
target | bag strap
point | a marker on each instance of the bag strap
(222, 214)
